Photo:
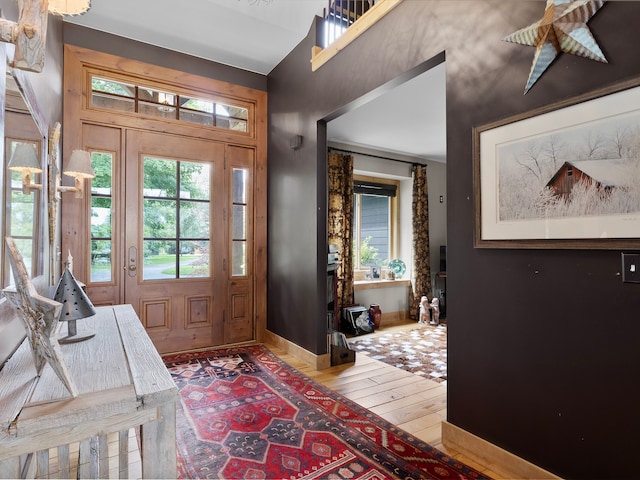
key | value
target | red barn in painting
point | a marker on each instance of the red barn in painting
(604, 174)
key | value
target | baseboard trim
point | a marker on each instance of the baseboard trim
(493, 457)
(391, 319)
(319, 362)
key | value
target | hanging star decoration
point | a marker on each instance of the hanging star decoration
(40, 316)
(563, 28)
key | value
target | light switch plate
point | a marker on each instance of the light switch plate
(631, 267)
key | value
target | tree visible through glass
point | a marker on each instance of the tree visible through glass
(176, 211)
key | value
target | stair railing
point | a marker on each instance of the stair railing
(343, 22)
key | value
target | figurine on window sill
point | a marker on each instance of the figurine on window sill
(424, 310)
(435, 311)
(429, 312)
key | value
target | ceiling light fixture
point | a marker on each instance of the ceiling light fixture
(166, 101)
(29, 32)
(69, 7)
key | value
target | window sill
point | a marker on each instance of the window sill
(371, 284)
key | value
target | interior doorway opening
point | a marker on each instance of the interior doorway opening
(387, 130)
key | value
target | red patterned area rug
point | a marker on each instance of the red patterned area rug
(244, 413)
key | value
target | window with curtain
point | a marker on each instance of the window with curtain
(374, 221)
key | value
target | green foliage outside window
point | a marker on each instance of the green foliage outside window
(368, 253)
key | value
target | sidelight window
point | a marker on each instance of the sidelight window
(102, 215)
(239, 214)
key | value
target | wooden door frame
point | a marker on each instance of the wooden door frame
(78, 62)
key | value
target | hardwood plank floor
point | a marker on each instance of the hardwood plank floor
(414, 403)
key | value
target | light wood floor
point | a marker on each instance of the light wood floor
(414, 403)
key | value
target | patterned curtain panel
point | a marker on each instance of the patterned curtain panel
(340, 221)
(421, 277)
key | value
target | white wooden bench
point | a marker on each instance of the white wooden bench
(122, 384)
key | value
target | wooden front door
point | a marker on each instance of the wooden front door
(174, 223)
(176, 235)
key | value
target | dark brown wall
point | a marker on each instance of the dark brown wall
(114, 45)
(543, 344)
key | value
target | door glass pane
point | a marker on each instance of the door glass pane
(101, 217)
(160, 218)
(196, 104)
(112, 87)
(160, 178)
(101, 268)
(159, 260)
(201, 118)
(102, 163)
(239, 185)
(101, 236)
(101, 261)
(176, 226)
(195, 181)
(239, 267)
(194, 219)
(239, 222)
(112, 94)
(154, 110)
(194, 259)
(113, 103)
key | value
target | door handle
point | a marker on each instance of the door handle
(133, 261)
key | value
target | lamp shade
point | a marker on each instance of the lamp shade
(79, 165)
(75, 303)
(25, 159)
(69, 7)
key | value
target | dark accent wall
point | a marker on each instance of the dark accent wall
(143, 52)
(543, 344)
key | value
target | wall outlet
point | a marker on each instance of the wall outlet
(631, 267)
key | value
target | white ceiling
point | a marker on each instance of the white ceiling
(409, 120)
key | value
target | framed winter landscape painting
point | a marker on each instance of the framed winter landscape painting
(563, 176)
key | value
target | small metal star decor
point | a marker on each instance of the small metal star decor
(40, 315)
(563, 28)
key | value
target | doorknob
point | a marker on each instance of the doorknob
(133, 261)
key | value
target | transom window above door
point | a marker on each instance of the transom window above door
(162, 103)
